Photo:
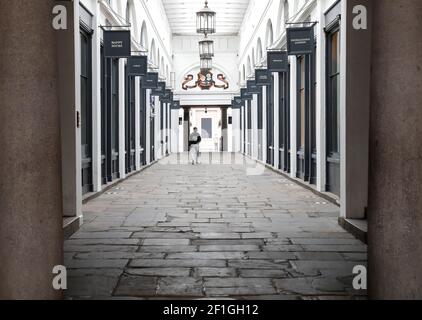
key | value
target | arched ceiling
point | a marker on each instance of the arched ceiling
(182, 15)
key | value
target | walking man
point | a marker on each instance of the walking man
(194, 141)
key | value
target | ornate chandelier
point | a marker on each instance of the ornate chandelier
(205, 20)
(205, 24)
(206, 48)
(206, 64)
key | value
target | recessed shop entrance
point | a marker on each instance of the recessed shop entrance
(213, 125)
(86, 110)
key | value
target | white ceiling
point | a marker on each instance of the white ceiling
(182, 15)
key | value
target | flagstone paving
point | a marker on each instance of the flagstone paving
(211, 231)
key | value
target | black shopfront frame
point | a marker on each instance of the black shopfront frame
(306, 152)
(284, 121)
(130, 148)
(86, 118)
(143, 124)
(270, 122)
(332, 116)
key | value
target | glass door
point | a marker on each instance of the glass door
(333, 111)
(86, 111)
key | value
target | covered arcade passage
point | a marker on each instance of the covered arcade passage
(181, 231)
(320, 132)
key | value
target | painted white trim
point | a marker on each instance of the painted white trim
(137, 123)
(321, 126)
(293, 116)
(148, 126)
(122, 114)
(343, 102)
(265, 125)
(276, 120)
(255, 147)
(96, 104)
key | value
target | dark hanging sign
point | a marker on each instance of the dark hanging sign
(150, 81)
(117, 44)
(277, 61)
(245, 94)
(300, 41)
(253, 88)
(262, 77)
(160, 90)
(237, 103)
(137, 65)
(175, 105)
(167, 96)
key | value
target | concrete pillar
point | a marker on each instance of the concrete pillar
(355, 74)
(69, 57)
(395, 190)
(31, 235)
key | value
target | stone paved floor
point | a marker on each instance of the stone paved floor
(207, 231)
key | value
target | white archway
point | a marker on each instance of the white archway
(269, 37)
(144, 35)
(259, 51)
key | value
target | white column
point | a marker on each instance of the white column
(264, 125)
(137, 123)
(235, 130)
(174, 130)
(342, 110)
(242, 137)
(181, 132)
(320, 104)
(122, 135)
(293, 115)
(276, 119)
(169, 128)
(96, 102)
(148, 126)
(255, 126)
(157, 142)
(247, 115)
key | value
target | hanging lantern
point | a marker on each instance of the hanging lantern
(206, 48)
(206, 63)
(205, 21)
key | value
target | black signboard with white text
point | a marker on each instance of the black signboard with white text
(160, 90)
(237, 103)
(277, 61)
(262, 77)
(253, 88)
(117, 44)
(137, 65)
(150, 81)
(167, 97)
(300, 41)
(245, 94)
(175, 105)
